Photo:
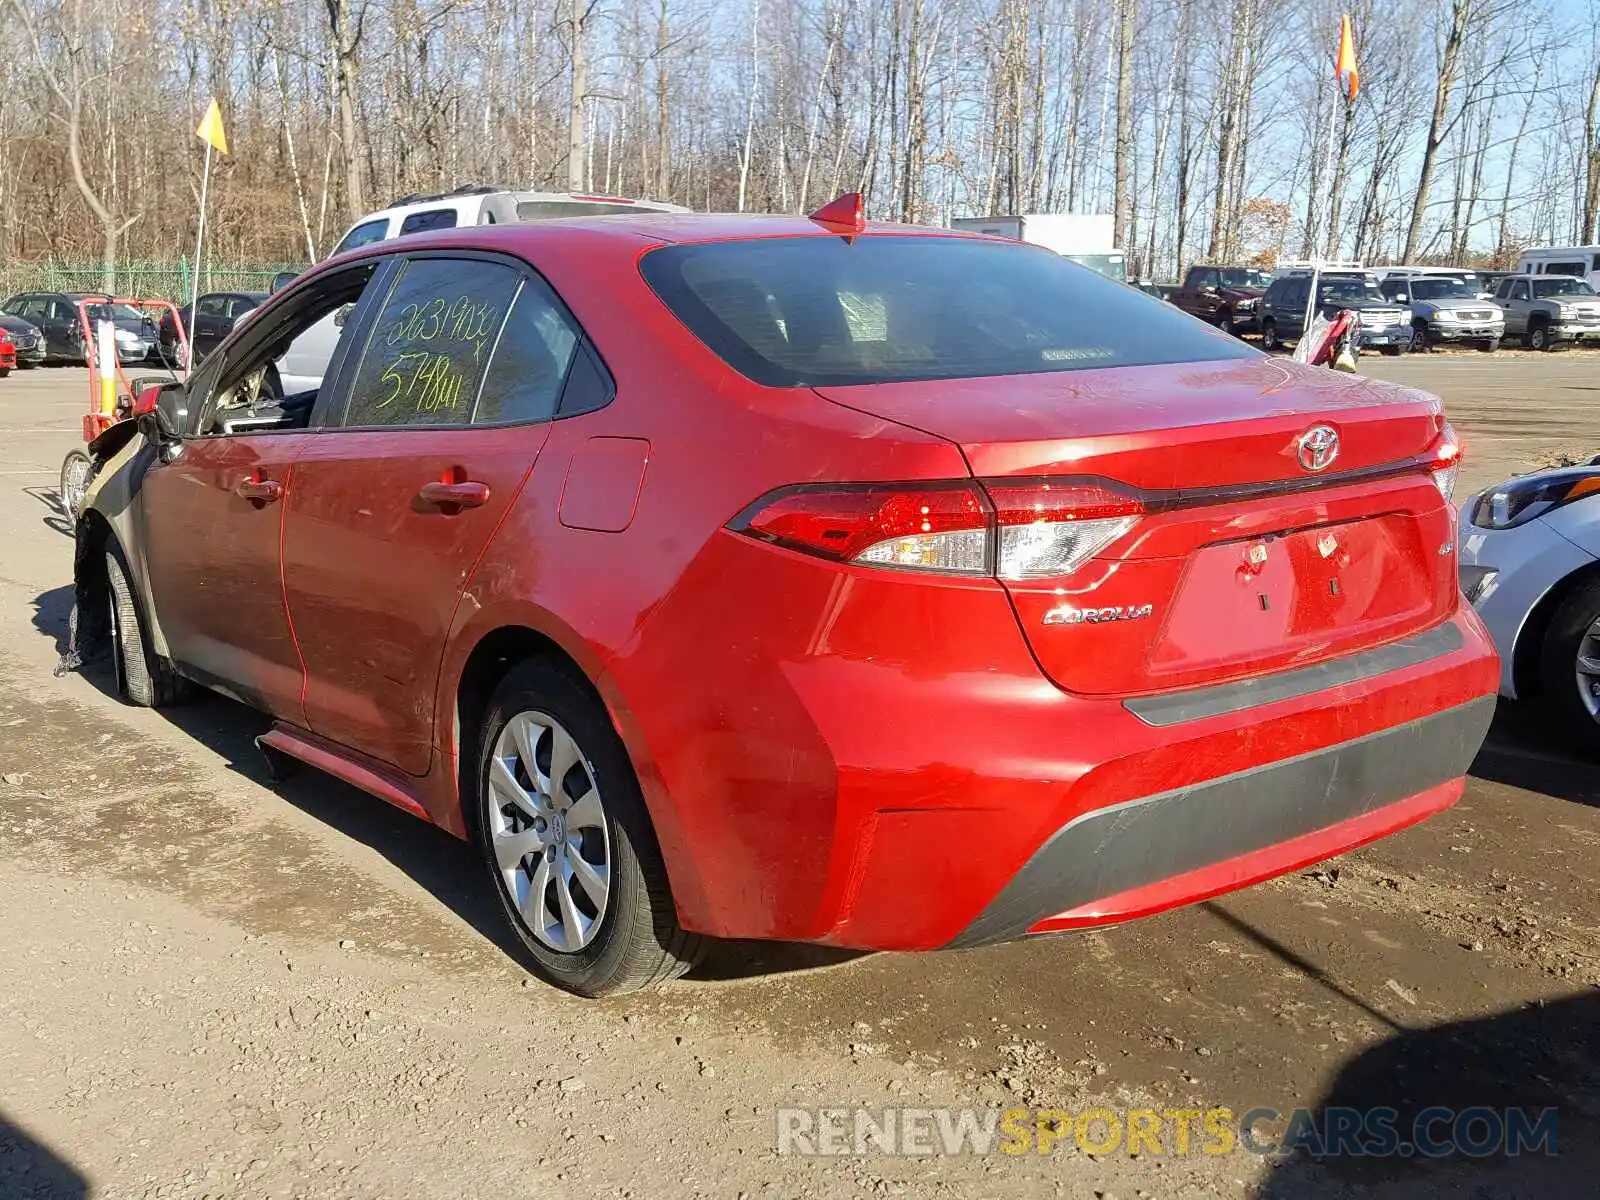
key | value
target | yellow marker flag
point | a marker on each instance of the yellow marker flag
(210, 130)
(1345, 63)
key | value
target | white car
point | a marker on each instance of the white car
(1530, 566)
(302, 368)
(485, 206)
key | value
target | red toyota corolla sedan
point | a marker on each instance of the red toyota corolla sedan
(763, 577)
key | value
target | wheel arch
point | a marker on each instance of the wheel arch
(489, 653)
(1526, 677)
(113, 502)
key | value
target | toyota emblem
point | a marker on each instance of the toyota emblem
(1317, 447)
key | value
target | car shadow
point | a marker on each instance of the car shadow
(30, 1170)
(1524, 751)
(1544, 1056)
(57, 518)
(445, 866)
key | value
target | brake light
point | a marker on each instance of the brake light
(929, 527)
(1445, 461)
(1017, 530)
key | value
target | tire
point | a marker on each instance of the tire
(144, 678)
(1569, 694)
(1489, 345)
(625, 938)
(77, 469)
(1539, 337)
(1391, 351)
(1269, 335)
(1420, 342)
(4, 371)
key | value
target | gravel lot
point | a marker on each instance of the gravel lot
(214, 987)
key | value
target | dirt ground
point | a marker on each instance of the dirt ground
(216, 987)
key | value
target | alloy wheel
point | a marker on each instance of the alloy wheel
(75, 472)
(551, 845)
(1588, 670)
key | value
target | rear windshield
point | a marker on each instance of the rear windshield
(810, 311)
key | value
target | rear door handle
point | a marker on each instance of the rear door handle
(263, 491)
(470, 494)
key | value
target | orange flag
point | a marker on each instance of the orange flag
(1345, 64)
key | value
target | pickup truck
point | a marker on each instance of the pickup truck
(1227, 297)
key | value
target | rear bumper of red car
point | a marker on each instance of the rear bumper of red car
(898, 774)
(1176, 800)
(1177, 847)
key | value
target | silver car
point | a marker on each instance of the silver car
(1446, 309)
(1530, 566)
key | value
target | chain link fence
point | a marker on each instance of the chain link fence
(139, 280)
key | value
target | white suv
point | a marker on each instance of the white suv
(485, 206)
(301, 368)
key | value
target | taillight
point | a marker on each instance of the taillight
(1017, 530)
(929, 527)
(1445, 461)
(1052, 528)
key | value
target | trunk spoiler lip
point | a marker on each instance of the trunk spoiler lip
(1175, 499)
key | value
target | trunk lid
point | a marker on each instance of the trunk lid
(1244, 561)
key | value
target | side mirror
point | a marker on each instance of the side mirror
(162, 411)
(342, 314)
(282, 280)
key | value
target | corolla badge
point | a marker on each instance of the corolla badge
(1317, 447)
(1066, 614)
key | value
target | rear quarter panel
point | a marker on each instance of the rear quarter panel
(716, 443)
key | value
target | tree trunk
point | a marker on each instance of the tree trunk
(1444, 86)
(346, 44)
(916, 121)
(577, 23)
(663, 188)
(1122, 198)
(1341, 167)
(1591, 148)
(1502, 247)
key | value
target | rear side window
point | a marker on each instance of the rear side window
(433, 218)
(364, 235)
(430, 346)
(813, 311)
(530, 361)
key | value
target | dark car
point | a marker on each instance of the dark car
(1226, 297)
(55, 314)
(215, 315)
(1384, 324)
(27, 339)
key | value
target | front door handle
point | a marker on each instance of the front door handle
(261, 491)
(470, 494)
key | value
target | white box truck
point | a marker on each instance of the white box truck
(1083, 237)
